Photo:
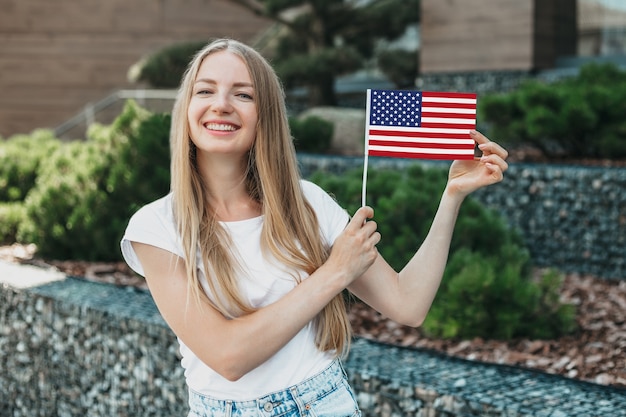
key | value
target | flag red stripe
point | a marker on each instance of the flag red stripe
(450, 126)
(425, 145)
(449, 105)
(447, 94)
(416, 155)
(448, 115)
(417, 134)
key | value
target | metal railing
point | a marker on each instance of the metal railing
(90, 112)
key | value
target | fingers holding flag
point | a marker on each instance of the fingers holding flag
(488, 147)
(354, 251)
(494, 156)
(467, 176)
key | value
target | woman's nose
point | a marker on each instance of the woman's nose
(221, 103)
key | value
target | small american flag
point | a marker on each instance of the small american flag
(420, 124)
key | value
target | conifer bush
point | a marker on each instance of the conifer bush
(62, 208)
(491, 296)
(577, 117)
(11, 216)
(20, 157)
(488, 288)
(87, 190)
(165, 68)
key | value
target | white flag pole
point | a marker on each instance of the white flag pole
(366, 147)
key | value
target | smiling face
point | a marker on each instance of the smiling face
(222, 112)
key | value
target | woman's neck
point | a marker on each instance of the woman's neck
(227, 190)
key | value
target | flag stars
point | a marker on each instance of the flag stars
(397, 108)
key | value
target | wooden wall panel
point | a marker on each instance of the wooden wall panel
(56, 56)
(488, 35)
(475, 35)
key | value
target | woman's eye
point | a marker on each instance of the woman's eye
(245, 96)
(203, 92)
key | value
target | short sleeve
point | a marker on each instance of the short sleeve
(154, 225)
(332, 217)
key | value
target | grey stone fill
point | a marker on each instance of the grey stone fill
(73, 347)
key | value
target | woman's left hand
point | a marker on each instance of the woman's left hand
(466, 176)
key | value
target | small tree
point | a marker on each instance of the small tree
(165, 68)
(325, 39)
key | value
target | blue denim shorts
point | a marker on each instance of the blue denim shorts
(323, 395)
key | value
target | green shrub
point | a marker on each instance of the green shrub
(61, 207)
(20, 157)
(86, 191)
(576, 117)
(11, 216)
(140, 168)
(488, 289)
(311, 134)
(490, 296)
(165, 68)
(405, 204)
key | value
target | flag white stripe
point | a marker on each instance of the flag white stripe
(421, 129)
(448, 100)
(450, 120)
(421, 140)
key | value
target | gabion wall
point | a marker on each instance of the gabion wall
(489, 81)
(572, 218)
(62, 359)
(71, 348)
(479, 82)
(66, 356)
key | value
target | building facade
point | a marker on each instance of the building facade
(56, 56)
(492, 45)
(487, 35)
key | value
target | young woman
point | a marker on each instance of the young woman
(247, 262)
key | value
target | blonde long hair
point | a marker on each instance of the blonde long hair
(291, 230)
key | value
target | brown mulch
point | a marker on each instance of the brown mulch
(596, 353)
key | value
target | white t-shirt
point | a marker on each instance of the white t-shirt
(262, 283)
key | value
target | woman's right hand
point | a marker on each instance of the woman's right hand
(354, 251)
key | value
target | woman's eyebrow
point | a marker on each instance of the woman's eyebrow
(210, 81)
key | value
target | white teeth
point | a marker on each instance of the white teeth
(219, 126)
